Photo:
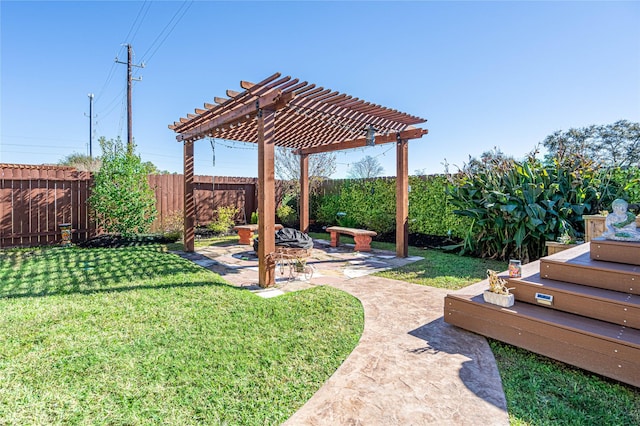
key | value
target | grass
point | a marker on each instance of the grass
(437, 269)
(138, 336)
(135, 335)
(539, 390)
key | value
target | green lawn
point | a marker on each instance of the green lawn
(438, 269)
(539, 390)
(140, 336)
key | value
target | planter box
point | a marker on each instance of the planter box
(555, 247)
(504, 300)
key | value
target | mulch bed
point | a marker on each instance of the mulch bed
(117, 240)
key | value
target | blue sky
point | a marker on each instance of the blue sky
(484, 74)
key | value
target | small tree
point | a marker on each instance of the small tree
(82, 162)
(368, 167)
(121, 198)
(614, 145)
(287, 168)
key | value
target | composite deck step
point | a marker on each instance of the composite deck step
(601, 347)
(576, 266)
(615, 251)
(602, 304)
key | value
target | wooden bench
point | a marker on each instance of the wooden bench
(245, 232)
(362, 237)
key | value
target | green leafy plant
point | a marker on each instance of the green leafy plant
(121, 199)
(346, 220)
(287, 212)
(430, 208)
(224, 220)
(254, 218)
(514, 207)
(371, 204)
(174, 225)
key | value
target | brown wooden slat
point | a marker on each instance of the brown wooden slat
(618, 359)
(615, 251)
(612, 276)
(326, 106)
(242, 99)
(360, 142)
(606, 305)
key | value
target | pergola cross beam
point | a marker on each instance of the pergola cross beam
(280, 111)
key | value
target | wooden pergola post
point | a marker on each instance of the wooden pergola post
(402, 198)
(307, 117)
(189, 200)
(304, 193)
(266, 197)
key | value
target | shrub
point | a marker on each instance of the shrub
(121, 199)
(371, 204)
(287, 211)
(225, 219)
(328, 207)
(173, 225)
(514, 207)
(254, 218)
(431, 210)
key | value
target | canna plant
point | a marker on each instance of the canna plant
(515, 207)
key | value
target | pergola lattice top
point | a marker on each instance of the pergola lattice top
(310, 119)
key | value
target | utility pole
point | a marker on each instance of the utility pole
(90, 124)
(129, 79)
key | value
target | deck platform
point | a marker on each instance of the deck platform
(572, 306)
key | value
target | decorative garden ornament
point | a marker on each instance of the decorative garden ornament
(621, 224)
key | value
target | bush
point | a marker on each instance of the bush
(173, 225)
(514, 207)
(287, 211)
(225, 219)
(431, 210)
(121, 198)
(372, 204)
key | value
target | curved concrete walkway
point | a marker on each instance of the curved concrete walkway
(409, 368)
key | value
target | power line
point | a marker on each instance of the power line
(114, 103)
(126, 39)
(109, 77)
(182, 10)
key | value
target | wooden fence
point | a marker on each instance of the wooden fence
(34, 200)
(226, 191)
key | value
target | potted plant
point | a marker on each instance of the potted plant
(498, 292)
(565, 241)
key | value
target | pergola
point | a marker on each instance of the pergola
(281, 111)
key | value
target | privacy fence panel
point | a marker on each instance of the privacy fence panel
(226, 191)
(35, 200)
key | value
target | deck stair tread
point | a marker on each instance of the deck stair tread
(545, 284)
(627, 252)
(576, 266)
(588, 326)
(598, 346)
(584, 260)
(601, 304)
(568, 306)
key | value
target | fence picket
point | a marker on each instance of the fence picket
(34, 200)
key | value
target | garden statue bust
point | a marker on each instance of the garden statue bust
(621, 224)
